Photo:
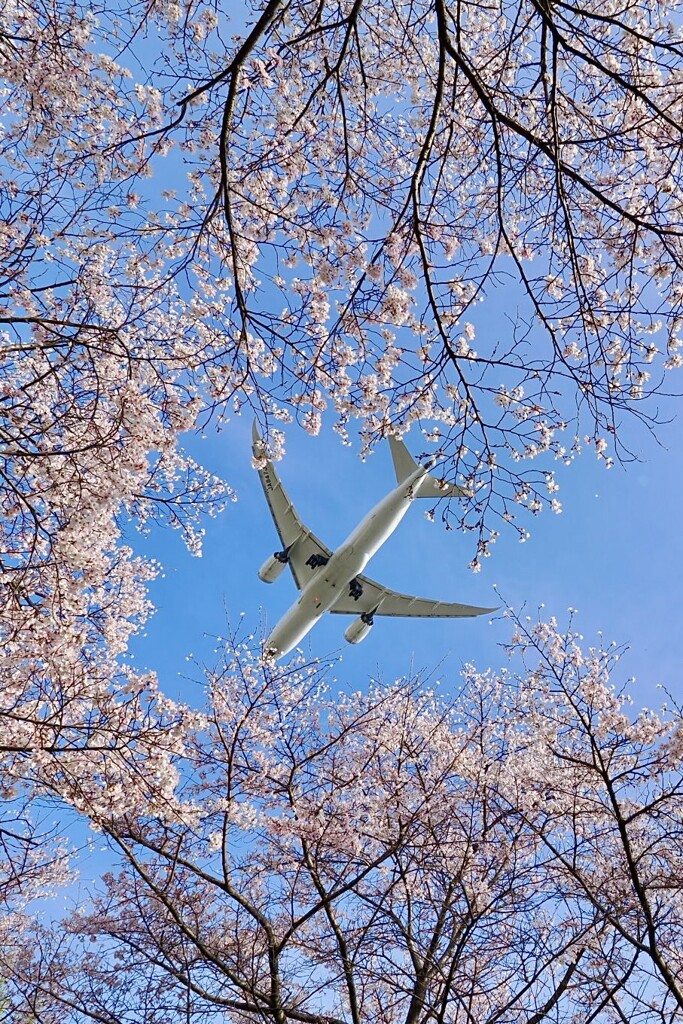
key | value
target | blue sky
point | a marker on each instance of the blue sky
(614, 553)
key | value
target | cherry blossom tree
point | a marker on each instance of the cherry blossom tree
(397, 165)
(305, 216)
(95, 389)
(349, 181)
(509, 854)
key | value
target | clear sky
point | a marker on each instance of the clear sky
(615, 554)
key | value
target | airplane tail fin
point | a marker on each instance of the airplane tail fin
(429, 487)
(404, 463)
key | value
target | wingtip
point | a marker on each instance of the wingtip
(257, 446)
(475, 612)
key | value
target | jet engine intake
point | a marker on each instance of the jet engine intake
(359, 629)
(272, 567)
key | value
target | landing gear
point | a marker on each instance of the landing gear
(315, 561)
(355, 589)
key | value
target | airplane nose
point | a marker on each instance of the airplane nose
(275, 647)
(271, 649)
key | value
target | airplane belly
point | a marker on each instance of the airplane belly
(315, 600)
(375, 529)
(346, 563)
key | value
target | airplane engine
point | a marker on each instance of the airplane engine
(272, 567)
(359, 629)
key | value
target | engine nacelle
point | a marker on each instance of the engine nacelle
(359, 629)
(272, 567)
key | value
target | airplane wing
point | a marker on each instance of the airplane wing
(297, 539)
(379, 600)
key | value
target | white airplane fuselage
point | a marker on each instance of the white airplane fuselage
(332, 581)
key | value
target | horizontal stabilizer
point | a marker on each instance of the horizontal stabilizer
(429, 486)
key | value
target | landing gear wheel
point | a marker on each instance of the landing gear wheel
(355, 589)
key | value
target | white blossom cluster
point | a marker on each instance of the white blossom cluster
(304, 219)
(491, 832)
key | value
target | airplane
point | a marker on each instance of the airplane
(332, 580)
